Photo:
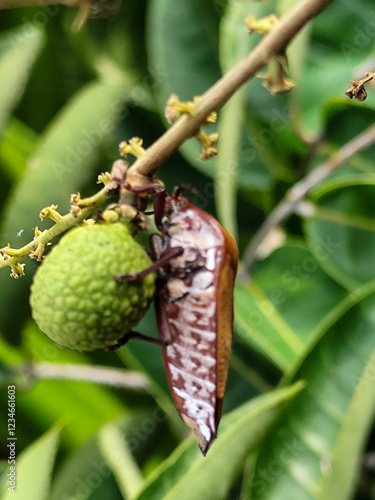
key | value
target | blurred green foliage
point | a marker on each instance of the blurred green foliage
(66, 100)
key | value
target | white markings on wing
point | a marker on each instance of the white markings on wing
(192, 318)
(202, 412)
(204, 335)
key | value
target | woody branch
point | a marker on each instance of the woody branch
(274, 43)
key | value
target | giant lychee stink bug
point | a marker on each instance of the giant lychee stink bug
(196, 262)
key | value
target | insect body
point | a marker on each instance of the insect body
(196, 260)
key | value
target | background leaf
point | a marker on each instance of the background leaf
(274, 314)
(18, 50)
(34, 468)
(307, 437)
(118, 456)
(346, 461)
(345, 221)
(187, 473)
(306, 315)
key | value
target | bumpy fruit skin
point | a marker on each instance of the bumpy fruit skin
(75, 298)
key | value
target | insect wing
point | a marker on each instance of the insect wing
(194, 308)
(224, 297)
(190, 362)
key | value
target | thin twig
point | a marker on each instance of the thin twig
(66, 222)
(187, 126)
(357, 87)
(298, 192)
(85, 373)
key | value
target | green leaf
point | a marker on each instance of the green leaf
(235, 44)
(297, 54)
(34, 468)
(18, 50)
(343, 120)
(66, 155)
(344, 220)
(147, 358)
(182, 35)
(261, 327)
(117, 454)
(186, 474)
(306, 446)
(87, 405)
(289, 296)
(84, 475)
(4, 470)
(17, 145)
(90, 471)
(351, 441)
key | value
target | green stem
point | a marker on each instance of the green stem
(12, 257)
(230, 128)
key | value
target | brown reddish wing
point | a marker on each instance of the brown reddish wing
(194, 308)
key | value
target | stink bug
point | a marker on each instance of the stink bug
(196, 262)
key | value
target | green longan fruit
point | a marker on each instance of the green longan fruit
(75, 298)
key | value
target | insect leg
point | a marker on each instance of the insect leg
(184, 187)
(156, 188)
(135, 335)
(169, 254)
(165, 333)
(160, 195)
